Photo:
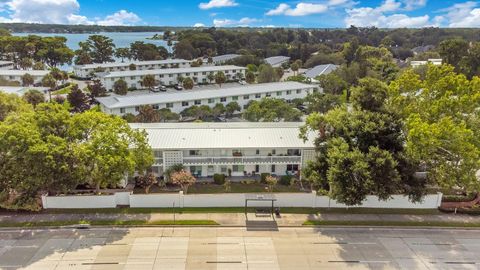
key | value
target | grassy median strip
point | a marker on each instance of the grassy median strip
(109, 223)
(390, 223)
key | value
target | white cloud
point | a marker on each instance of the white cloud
(41, 11)
(301, 9)
(227, 22)
(59, 12)
(462, 15)
(218, 4)
(199, 25)
(121, 17)
(389, 6)
(381, 16)
(414, 4)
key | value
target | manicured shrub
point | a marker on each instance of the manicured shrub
(219, 179)
(459, 198)
(263, 177)
(285, 180)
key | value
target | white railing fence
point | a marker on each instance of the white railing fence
(431, 201)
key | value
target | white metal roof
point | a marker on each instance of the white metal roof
(20, 90)
(320, 70)
(186, 95)
(137, 63)
(177, 136)
(225, 57)
(169, 71)
(16, 72)
(276, 60)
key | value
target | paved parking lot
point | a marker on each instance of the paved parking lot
(240, 248)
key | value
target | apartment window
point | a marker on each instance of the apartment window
(246, 97)
(279, 93)
(274, 152)
(258, 95)
(223, 99)
(195, 73)
(155, 107)
(257, 152)
(161, 75)
(273, 168)
(289, 92)
(204, 73)
(315, 90)
(169, 105)
(211, 100)
(235, 98)
(137, 108)
(184, 103)
(257, 168)
(132, 78)
(293, 152)
(238, 168)
(187, 74)
(122, 110)
(268, 95)
(223, 169)
(292, 167)
(194, 152)
(170, 75)
(198, 102)
(299, 91)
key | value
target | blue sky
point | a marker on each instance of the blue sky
(260, 13)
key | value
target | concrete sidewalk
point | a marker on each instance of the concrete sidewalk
(239, 219)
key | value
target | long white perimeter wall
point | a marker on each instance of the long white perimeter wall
(431, 201)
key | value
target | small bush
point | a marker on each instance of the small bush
(285, 180)
(459, 198)
(219, 179)
(263, 177)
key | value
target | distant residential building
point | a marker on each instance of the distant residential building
(20, 90)
(170, 76)
(235, 149)
(6, 65)
(277, 61)
(86, 71)
(320, 70)
(422, 49)
(16, 75)
(435, 62)
(221, 59)
(179, 101)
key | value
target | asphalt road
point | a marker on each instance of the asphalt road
(240, 248)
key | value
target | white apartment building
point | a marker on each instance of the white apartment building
(179, 101)
(235, 149)
(170, 76)
(435, 62)
(6, 65)
(20, 90)
(16, 75)
(86, 71)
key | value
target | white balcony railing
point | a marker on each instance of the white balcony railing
(242, 160)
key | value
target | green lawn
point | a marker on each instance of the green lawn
(110, 223)
(389, 223)
(63, 91)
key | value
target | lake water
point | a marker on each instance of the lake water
(123, 39)
(119, 39)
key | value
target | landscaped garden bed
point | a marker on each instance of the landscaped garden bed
(246, 186)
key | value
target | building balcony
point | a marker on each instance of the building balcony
(244, 160)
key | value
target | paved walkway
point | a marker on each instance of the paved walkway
(238, 219)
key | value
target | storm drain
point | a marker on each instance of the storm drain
(356, 261)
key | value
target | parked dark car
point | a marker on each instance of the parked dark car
(178, 87)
